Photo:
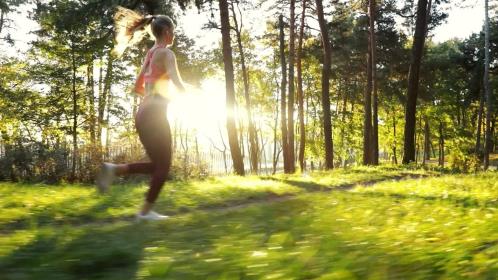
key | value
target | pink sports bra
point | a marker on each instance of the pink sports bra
(153, 72)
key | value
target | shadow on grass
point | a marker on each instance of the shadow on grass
(448, 198)
(286, 240)
(316, 187)
(124, 196)
(63, 213)
(66, 253)
(184, 248)
(296, 238)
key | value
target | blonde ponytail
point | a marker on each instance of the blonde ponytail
(130, 28)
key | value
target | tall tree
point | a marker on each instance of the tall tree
(427, 140)
(482, 97)
(441, 144)
(487, 89)
(91, 98)
(283, 98)
(63, 35)
(300, 95)
(290, 104)
(413, 81)
(75, 96)
(375, 114)
(233, 141)
(104, 95)
(326, 70)
(253, 137)
(367, 101)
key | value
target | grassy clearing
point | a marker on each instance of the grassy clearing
(430, 228)
(35, 205)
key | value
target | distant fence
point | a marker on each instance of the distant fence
(35, 162)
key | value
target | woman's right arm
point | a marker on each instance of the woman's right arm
(139, 83)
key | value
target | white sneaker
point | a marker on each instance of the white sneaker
(106, 176)
(151, 216)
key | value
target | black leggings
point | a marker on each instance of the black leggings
(154, 131)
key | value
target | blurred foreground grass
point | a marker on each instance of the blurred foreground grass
(436, 227)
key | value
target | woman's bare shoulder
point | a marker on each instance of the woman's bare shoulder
(165, 53)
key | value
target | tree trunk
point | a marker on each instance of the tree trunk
(427, 141)
(75, 114)
(432, 149)
(253, 138)
(224, 151)
(479, 123)
(1, 20)
(275, 139)
(343, 120)
(233, 142)
(413, 82)
(262, 144)
(394, 137)
(91, 102)
(367, 105)
(375, 117)
(99, 105)
(441, 145)
(103, 96)
(241, 134)
(197, 153)
(327, 121)
(417, 139)
(283, 103)
(108, 123)
(487, 89)
(290, 103)
(300, 95)
(493, 134)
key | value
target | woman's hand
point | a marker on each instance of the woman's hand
(191, 88)
(139, 83)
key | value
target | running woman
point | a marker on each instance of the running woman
(158, 70)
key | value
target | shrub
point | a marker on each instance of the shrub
(461, 155)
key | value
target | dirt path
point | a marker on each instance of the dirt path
(270, 198)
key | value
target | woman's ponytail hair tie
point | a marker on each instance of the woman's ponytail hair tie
(148, 19)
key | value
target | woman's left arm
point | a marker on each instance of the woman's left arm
(172, 70)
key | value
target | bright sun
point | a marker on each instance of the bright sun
(201, 109)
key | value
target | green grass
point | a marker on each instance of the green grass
(35, 205)
(431, 228)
